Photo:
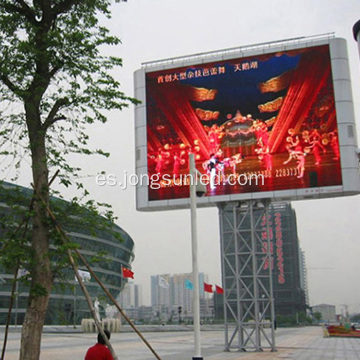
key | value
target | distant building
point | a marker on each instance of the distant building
(67, 303)
(289, 276)
(171, 296)
(145, 314)
(160, 294)
(328, 312)
(303, 275)
(131, 296)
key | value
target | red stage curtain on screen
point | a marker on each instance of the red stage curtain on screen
(173, 101)
(127, 273)
(208, 288)
(310, 77)
(153, 141)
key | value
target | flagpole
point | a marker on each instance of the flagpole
(195, 269)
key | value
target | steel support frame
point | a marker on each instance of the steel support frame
(246, 262)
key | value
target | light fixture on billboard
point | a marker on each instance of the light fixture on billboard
(356, 32)
(200, 189)
(358, 153)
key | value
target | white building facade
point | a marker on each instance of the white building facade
(171, 296)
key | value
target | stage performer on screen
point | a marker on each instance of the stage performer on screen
(261, 132)
(293, 146)
(215, 133)
(220, 165)
(299, 156)
(268, 159)
(211, 168)
(265, 156)
(334, 143)
(296, 152)
(176, 165)
(232, 163)
(159, 160)
(300, 164)
(316, 145)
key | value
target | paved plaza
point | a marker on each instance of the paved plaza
(305, 343)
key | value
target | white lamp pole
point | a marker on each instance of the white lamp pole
(195, 269)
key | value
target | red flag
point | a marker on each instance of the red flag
(208, 287)
(219, 289)
(127, 273)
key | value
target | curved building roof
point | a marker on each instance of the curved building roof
(96, 237)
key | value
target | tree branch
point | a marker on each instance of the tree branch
(12, 87)
(25, 6)
(52, 118)
(23, 9)
(64, 6)
(55, 69)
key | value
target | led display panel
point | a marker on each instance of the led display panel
(259, 123)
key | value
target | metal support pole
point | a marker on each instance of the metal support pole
(271, 285)
(255, 278)
(247, 276)
(222, 249)
(239, 305)
(195, 269)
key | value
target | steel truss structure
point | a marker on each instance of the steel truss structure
(247, 276)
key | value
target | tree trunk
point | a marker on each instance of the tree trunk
(40, 269)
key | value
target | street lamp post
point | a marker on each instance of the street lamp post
(195, 269)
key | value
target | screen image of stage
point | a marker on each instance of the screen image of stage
(265, 122)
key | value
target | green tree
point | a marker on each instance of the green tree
(303, 318)
(317, 315)
(54, 81)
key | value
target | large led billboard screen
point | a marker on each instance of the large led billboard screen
(262, 124)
